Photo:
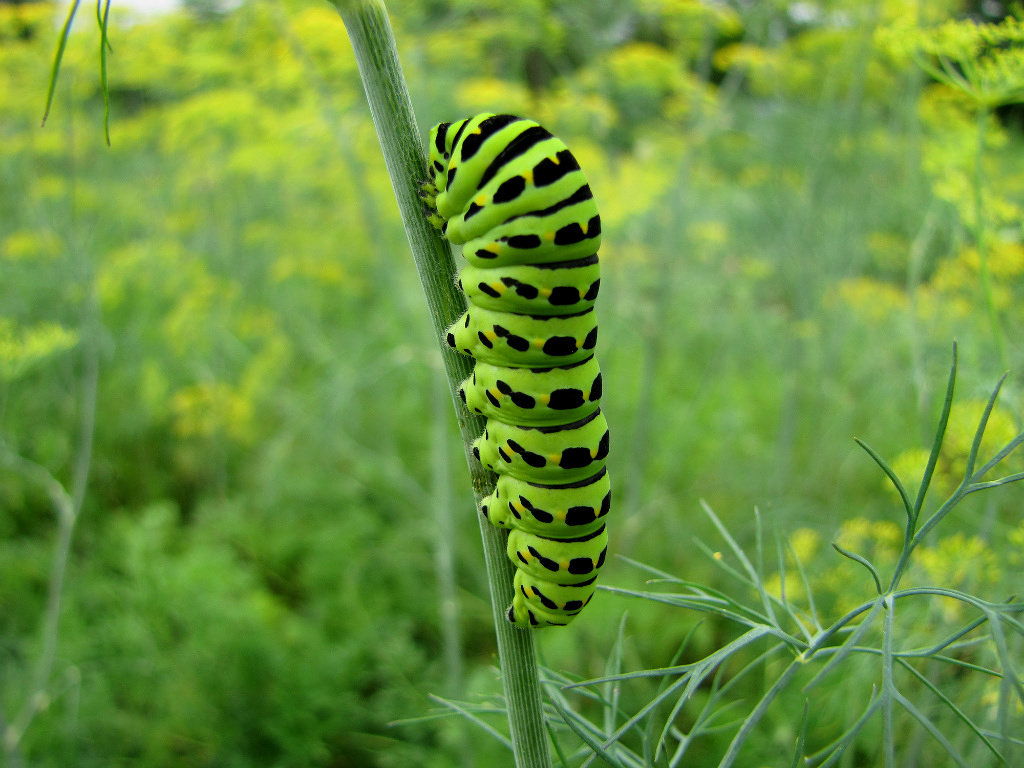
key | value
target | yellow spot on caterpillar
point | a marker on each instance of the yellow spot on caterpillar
(481, 200)
(560, 515)
(593, 454)
(538, 343)
(554, 457)
(495, 393)
(549, 236)
(545, 399)
(531, 592)
(546, 292)
(498, 288)
(528, 175)
(491, 335)
(517, 506)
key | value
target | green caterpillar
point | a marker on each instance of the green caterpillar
(516, 200)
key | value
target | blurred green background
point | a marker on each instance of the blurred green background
(214, 350)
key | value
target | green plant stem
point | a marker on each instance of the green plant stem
(376, 54)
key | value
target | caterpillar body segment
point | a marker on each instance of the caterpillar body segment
(510, 244)
(559, 454)
(515, 198)
(527, 341)
(561, 288)
(534, 396)
(539, 602)
(577, 508)
(561, 561)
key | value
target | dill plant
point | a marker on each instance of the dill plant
(379, 67)
(790, 643)
(786, 637)
(903, 657)
(982, 66)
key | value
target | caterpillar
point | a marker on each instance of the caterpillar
(514, 197)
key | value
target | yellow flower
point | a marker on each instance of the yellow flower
(23, 347)
(212, 408)
(31, 245)
(806, 543)
(872, 299)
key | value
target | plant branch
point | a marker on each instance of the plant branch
(377, 57)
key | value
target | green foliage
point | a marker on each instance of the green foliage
(795, 230)
(947, 666)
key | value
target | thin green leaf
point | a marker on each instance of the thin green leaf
(613, 666)
(751, 721)
(807, 587)
(846, 648)
(697, 603)
(679, 702)
(959, 713)
(444, 714)
(102, 19)
(707, 716)
(59, 57)
(940, 434)
(719, 560)
(574, 722)
(703, 726)
(863, 561)
(691, 678)
(766, 601)
(1010, 678)
(974, 487)
(736, 549)
(893, 478)
(483, 724)
(1016, 741)
(961, 664)
(645, 567)
(929, 726)
(1005, 451)
(560, 755)
(948, 641)
(801, 738)
(831, 752)
(955, 594)
(979, 433)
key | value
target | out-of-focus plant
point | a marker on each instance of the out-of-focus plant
(905, 653)
(976, 68)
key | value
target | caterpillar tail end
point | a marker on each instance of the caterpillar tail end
(519, 614)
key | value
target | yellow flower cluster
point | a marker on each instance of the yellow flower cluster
(983, 61)
(958, 561)
(23, 347)
(870, 298)
(960, 431)
(212, 408)
(31, 245)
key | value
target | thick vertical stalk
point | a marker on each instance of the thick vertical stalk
(377, 57)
